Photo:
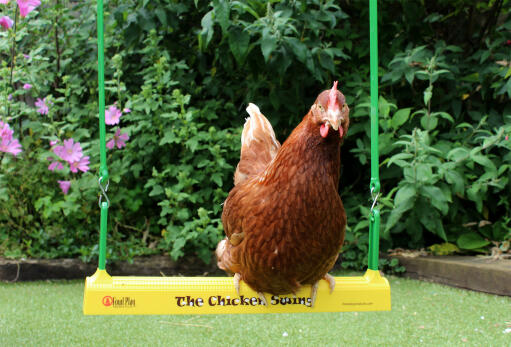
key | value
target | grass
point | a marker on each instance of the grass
(50, 314)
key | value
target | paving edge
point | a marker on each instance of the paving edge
(45, 269)
(475, 273)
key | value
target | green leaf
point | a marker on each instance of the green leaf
(474, 195)
(432, 221)
(445, 248)
(177, 248)
(245, 7)
(484, 161)
(428, 93)
(453, 177)
(207, 30)
(409, 75)
(396, 214)
(429, 122)
(458, 154)
(192, 144)
(222, 10)
(508, 73)
(400, 117)
(405, 194)
(472, 241)
(162, 16)
(326, 62)
(409, 174)
(453, 48)
(299, 48)
(203, 162)
(183, 214)
(398, 159)
(157, 190)
(444, 115)
(169, 137)
(238, 43)
(437, 198)
(217, 178)
(423, 172)
(268, 45)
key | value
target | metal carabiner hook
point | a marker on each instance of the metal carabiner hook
(375, 198)
(103, 192)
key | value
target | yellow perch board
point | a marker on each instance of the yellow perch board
(106, 295)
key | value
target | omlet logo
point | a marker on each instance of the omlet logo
(108, 301)
(118, 302)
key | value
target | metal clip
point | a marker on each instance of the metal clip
(375, 199)
(103, 192)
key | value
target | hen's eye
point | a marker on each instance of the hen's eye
(321, 107)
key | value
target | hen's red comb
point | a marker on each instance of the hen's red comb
(332, 95)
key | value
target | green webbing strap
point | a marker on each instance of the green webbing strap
(374, 222)
(103, 169)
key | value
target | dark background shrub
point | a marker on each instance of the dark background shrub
(187, 70)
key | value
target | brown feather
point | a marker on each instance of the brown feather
(258, 145)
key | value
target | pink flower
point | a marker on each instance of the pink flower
(10, 146)
(27, 86)
(42, 107)
(507, 137)
(64, 185)
(82, 165)
(70, 151)
(27, 6)
(7, 143)
(5, 131)
(26, 56)
(9, 97)
(53, 142)
(55, 165)
(118, 140)
(6, 22)
(112, 115)
(126, 110)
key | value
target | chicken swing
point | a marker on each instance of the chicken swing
(107, 295)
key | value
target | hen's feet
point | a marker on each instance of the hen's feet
(314, 287)
(262, 298)
(237, 279)
(331, 282)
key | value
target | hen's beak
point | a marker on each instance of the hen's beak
(335, 115)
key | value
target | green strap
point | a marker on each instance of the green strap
(374, 222)
(103, 169)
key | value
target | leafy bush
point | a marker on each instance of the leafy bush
(178, 74)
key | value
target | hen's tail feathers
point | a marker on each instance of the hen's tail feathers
(258, 145)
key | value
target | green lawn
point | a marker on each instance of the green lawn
(50, 314)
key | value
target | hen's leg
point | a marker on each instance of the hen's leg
(237, 279)
(314, 291)
(331, 282)
(263, 298)
(314, 288)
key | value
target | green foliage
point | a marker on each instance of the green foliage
(187, 69)
(189, 157)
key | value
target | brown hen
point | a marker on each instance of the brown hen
(284, 219)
